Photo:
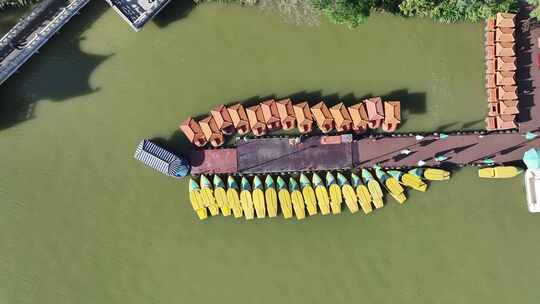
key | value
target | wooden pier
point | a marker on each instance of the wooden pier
(276, 155)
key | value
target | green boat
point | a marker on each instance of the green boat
(244, 184)
(231, 183)
(269, 182)
(281, 184)
(316, 180)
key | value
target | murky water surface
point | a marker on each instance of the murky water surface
(82, 222)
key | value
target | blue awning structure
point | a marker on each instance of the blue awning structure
(161, 160)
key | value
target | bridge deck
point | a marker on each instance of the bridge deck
(33, 31)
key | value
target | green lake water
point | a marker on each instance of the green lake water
(82, 222)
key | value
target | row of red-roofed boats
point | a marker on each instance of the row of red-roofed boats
(500, 72)
(272, 115)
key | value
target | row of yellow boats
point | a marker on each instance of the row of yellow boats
(258, 199)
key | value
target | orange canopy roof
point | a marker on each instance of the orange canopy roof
(256, 120)
(491, 123)
(303, 116)
(505, 122)
(504, 34)
(392, 115)
(193, 132)
(506, 78)
(492, 95)
(286, 113)
(490, 52)
(211, 131)
(490, 39)
(506, 63)
(504, 49)
(490, 66)
(359, 117)
(223, 119)
(322, 117)
(239, 118)
(493, 109)
(507, 92)
(341, 117)
(270, 114)
(490, 81)
(505, 20)
(508, 107)
(490, 25)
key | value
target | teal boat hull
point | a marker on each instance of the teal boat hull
(193, 185)
(281, 184)
(218, 182)
(257, 183)
(395, 174)
(342, 180)
(293, 184)
(330, 179)
(317, 180)
(366, 175)
(204, 182)
(355, 180)
(269, 182)
(244, 184)
(231, 183)
(304, 181)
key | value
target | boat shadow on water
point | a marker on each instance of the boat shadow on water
(60, 71)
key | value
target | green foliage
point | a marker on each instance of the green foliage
(456, 10)
(536, 11)
(349, 12)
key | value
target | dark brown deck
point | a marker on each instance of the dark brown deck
(280, 155)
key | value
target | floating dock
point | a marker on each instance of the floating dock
(319, 153)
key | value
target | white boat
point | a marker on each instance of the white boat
(532, 186)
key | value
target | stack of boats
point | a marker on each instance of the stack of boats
(272, 115)
(500, 72)
(292, 197)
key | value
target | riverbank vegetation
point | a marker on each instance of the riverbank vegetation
(354, 12)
